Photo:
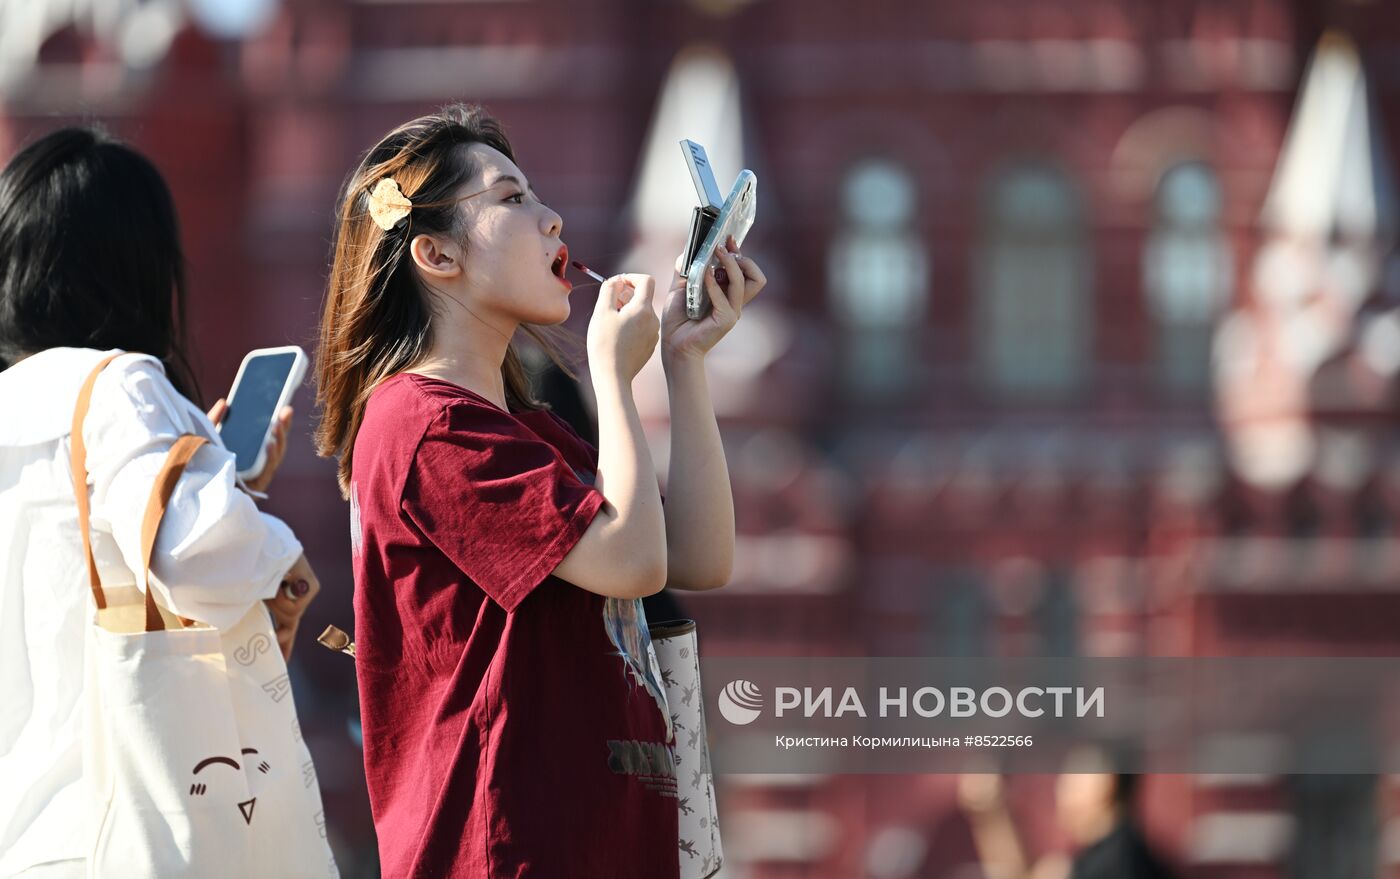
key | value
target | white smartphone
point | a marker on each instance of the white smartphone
(712, 224)
(266, 381)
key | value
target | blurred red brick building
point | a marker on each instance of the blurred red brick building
(1019, 333)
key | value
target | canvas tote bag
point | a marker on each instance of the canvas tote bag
(192, 754)
(677, 652)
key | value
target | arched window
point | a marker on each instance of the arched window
(1187, 273)
(1033, 283)
(878, 276)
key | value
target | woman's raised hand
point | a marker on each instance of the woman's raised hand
(276, 450)
(683, 336)
(624, 329)
(276, 447)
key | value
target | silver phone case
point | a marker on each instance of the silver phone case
(735, 218)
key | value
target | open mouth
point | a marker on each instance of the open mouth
(561, 263)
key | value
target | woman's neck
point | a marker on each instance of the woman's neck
(470, 357)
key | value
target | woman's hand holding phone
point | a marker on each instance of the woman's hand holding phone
(624, 329)
(276, 447)
(276, 450)
(682, 336)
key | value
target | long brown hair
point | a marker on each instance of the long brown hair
(377, 318)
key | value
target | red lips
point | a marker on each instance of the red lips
(560, 266)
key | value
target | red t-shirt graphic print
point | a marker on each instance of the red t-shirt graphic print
(513, 725)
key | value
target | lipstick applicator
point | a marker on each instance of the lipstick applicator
(624, 297)
(589, 272)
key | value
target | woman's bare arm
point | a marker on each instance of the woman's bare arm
(700, 510)
(623, 552)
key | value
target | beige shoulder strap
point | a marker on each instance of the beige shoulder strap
(80, 476)
(175, 460)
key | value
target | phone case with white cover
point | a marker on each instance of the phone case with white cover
(289, 388)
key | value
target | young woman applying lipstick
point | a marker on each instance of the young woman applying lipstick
(513, 724)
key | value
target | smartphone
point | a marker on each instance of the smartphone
(712, 223)
(266, 381)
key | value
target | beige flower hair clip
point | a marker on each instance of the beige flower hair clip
(387, 204)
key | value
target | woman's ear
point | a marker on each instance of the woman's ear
(434, 258)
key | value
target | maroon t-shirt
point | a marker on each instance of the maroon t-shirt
(512, 722)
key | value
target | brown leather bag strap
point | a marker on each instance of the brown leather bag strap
(80, 476)
(175, 461)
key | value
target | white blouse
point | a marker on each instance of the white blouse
(215, 556)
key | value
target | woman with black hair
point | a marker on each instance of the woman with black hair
(90, 267)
